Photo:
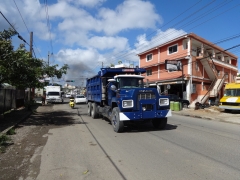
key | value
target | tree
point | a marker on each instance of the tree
(19, 69)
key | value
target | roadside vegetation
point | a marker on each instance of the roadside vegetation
(19, 68)
(4, 139)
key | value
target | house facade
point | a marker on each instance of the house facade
(191, 67)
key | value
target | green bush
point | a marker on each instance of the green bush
(11, 132)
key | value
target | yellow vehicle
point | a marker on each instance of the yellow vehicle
(231, 98)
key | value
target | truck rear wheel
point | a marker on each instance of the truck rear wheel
(89, 108)
(94, 112)
(159, 123)
(115, 120)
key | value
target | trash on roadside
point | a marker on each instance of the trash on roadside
(85, 172)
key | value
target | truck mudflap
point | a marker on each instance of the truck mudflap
(139, 116)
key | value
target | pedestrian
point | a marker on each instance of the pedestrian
(43, 99)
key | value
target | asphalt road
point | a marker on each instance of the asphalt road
(189, 148)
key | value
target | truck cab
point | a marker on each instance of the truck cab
(54, 94)
(231, 98)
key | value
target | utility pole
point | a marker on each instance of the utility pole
(31, 49)
(182, 79)
(48, 58)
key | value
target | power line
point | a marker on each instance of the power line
(21, 16)
(166, 23)
(129, 53)
(19, 36)
(25, 26)
(161, 27)
(48, 24)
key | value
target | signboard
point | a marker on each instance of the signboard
(173, 82)
(173, 65)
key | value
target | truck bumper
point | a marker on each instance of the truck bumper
(54, 100)
(144, 115)
(229, 107)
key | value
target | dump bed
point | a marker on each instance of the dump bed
(95, 89)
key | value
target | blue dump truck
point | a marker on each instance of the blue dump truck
(119, 95)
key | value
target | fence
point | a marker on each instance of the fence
(11, 98)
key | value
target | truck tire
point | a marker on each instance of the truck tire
(89, 108)
(115, 120)
(159, 123)
(94, 112)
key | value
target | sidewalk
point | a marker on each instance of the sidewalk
(211, 113)
(14, 117)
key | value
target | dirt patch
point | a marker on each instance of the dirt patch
(16, 161)
(21, 149)
(22, 158)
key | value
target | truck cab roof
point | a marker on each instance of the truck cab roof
(129, 75)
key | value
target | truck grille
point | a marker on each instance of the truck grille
(148, 107)
(230, 104)
(146, 96)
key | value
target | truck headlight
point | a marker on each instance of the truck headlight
(163, 101)
(127, 103)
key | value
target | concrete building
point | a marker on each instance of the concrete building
(195, 68)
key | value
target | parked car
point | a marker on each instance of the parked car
(68, 95)
(80, 99)
(176, 98)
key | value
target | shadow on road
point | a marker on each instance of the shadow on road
(141, 127)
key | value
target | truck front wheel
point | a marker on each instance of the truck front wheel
(159, 123)
(89, 108)
(115, 120)
(94, 112)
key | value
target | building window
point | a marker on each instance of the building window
(185, 44)
(172, 49)
(218, 73)
(149, 57)
(149, 72)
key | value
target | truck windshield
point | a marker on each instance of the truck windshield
(129, 82)
(53, 94)
(232, 92)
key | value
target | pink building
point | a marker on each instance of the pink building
(206, 68)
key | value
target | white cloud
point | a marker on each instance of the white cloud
(161, 37)
(87, 3)
(117, 43)
(131, 14)
(86, 32)
(125, 17)
(81, 58)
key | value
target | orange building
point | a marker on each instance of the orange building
(197, 69)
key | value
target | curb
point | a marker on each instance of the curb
(208, 118)
(19, 121)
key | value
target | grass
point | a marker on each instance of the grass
(11, 131)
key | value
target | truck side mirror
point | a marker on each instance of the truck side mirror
(113, 87)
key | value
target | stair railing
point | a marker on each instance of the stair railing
(209, 89)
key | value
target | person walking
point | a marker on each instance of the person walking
(43, 99)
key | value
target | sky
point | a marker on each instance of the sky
(90, 34)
